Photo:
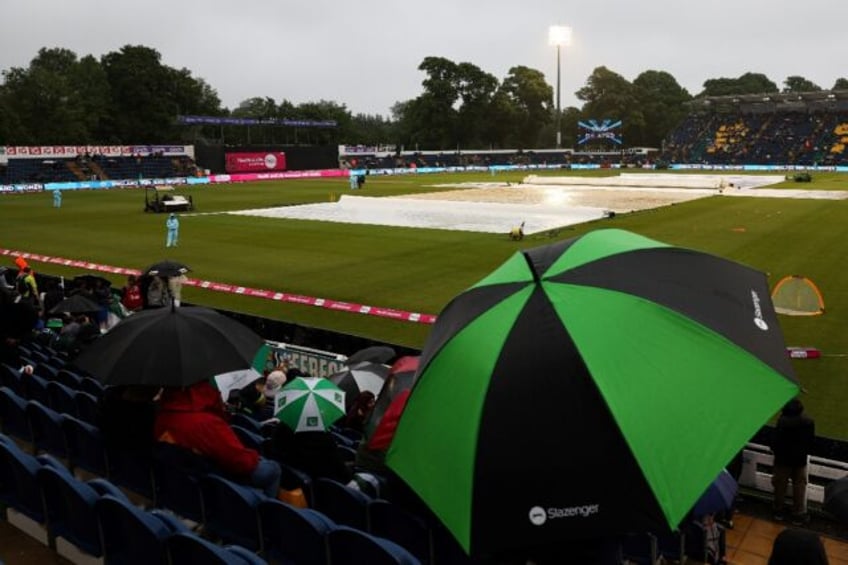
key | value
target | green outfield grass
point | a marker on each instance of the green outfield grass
(421, 270)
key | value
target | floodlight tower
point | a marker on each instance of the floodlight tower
(559, 36)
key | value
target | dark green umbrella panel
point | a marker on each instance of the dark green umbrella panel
(593, 386)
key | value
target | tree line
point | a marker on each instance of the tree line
(129, 97)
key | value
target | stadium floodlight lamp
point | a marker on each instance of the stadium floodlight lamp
(559, 36)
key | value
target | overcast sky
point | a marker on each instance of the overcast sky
(365, 54)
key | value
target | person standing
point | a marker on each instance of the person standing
(173, 225)
(792, 444)
(57, 198)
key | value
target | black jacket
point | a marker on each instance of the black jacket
(793, 439)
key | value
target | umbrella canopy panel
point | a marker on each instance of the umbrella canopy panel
(309, 404)
(170, 347)
(610, 376)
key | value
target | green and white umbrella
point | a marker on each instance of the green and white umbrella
(587, 388)
(309, 404)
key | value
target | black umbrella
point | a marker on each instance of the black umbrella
(587, 388)
(92, 279)
(836, 499)
(373, 354)
(379, 429)
(167, 268)
(170, 347)
(75, 304)
(365, 376)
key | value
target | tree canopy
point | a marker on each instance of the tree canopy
(129, 96)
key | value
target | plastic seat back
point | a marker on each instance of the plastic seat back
(231, 511)
(294, 535)
(344, 505)
(350, 546)
(130, 535)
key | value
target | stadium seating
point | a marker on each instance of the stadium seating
(46, 430)
(342, 504)
(61, 398)
(187, 547)
(349, 546)
(132, 536)
(86, 449)
(13, 416)
(294, 535)
(231, 511)
(393, 522)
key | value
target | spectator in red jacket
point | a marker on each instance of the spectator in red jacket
(194, 418)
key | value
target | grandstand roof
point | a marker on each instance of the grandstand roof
(775, 101)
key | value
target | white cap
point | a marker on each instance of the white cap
(273, 382)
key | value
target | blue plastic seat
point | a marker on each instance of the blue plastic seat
(35, 388)
(393, 522)
(86, 407)
(294, 535)
(69, 378)
(45, 426)
(188, 547)
(349, 546)
(245, 422)
(293, 478)
(92, 386)
(250, 439)
(130, 535)
(344, 505)
(11, 379)
(61, 398)
(131, 470)
(86, 449)
(20, 487)
(71, 513)
(13, 416)
(231, 511)
(176, 474)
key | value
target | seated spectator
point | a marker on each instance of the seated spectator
(131, 295)
(314, 453)
(273, 383)
(359, 411)
(125, 417)
(194, 417)
(250, 400)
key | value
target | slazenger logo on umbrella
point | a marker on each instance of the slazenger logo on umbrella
(538, 515)
(758, 312)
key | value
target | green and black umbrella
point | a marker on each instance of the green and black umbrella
(590, 387)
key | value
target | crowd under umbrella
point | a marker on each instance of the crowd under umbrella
(359, 378)
(372, 354)
(167, 268)
(309, 404)
(75, 304)
(170, 347)
(381, 423)
(605, 382)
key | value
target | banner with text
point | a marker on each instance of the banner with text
(255, 162)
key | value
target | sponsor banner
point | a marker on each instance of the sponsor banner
(224, 121)
(316, 362)
(9, 188)
(354, 150)
(164, 149)
(71, 151)
(400, 315)
(247, 177)
(255, 162)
